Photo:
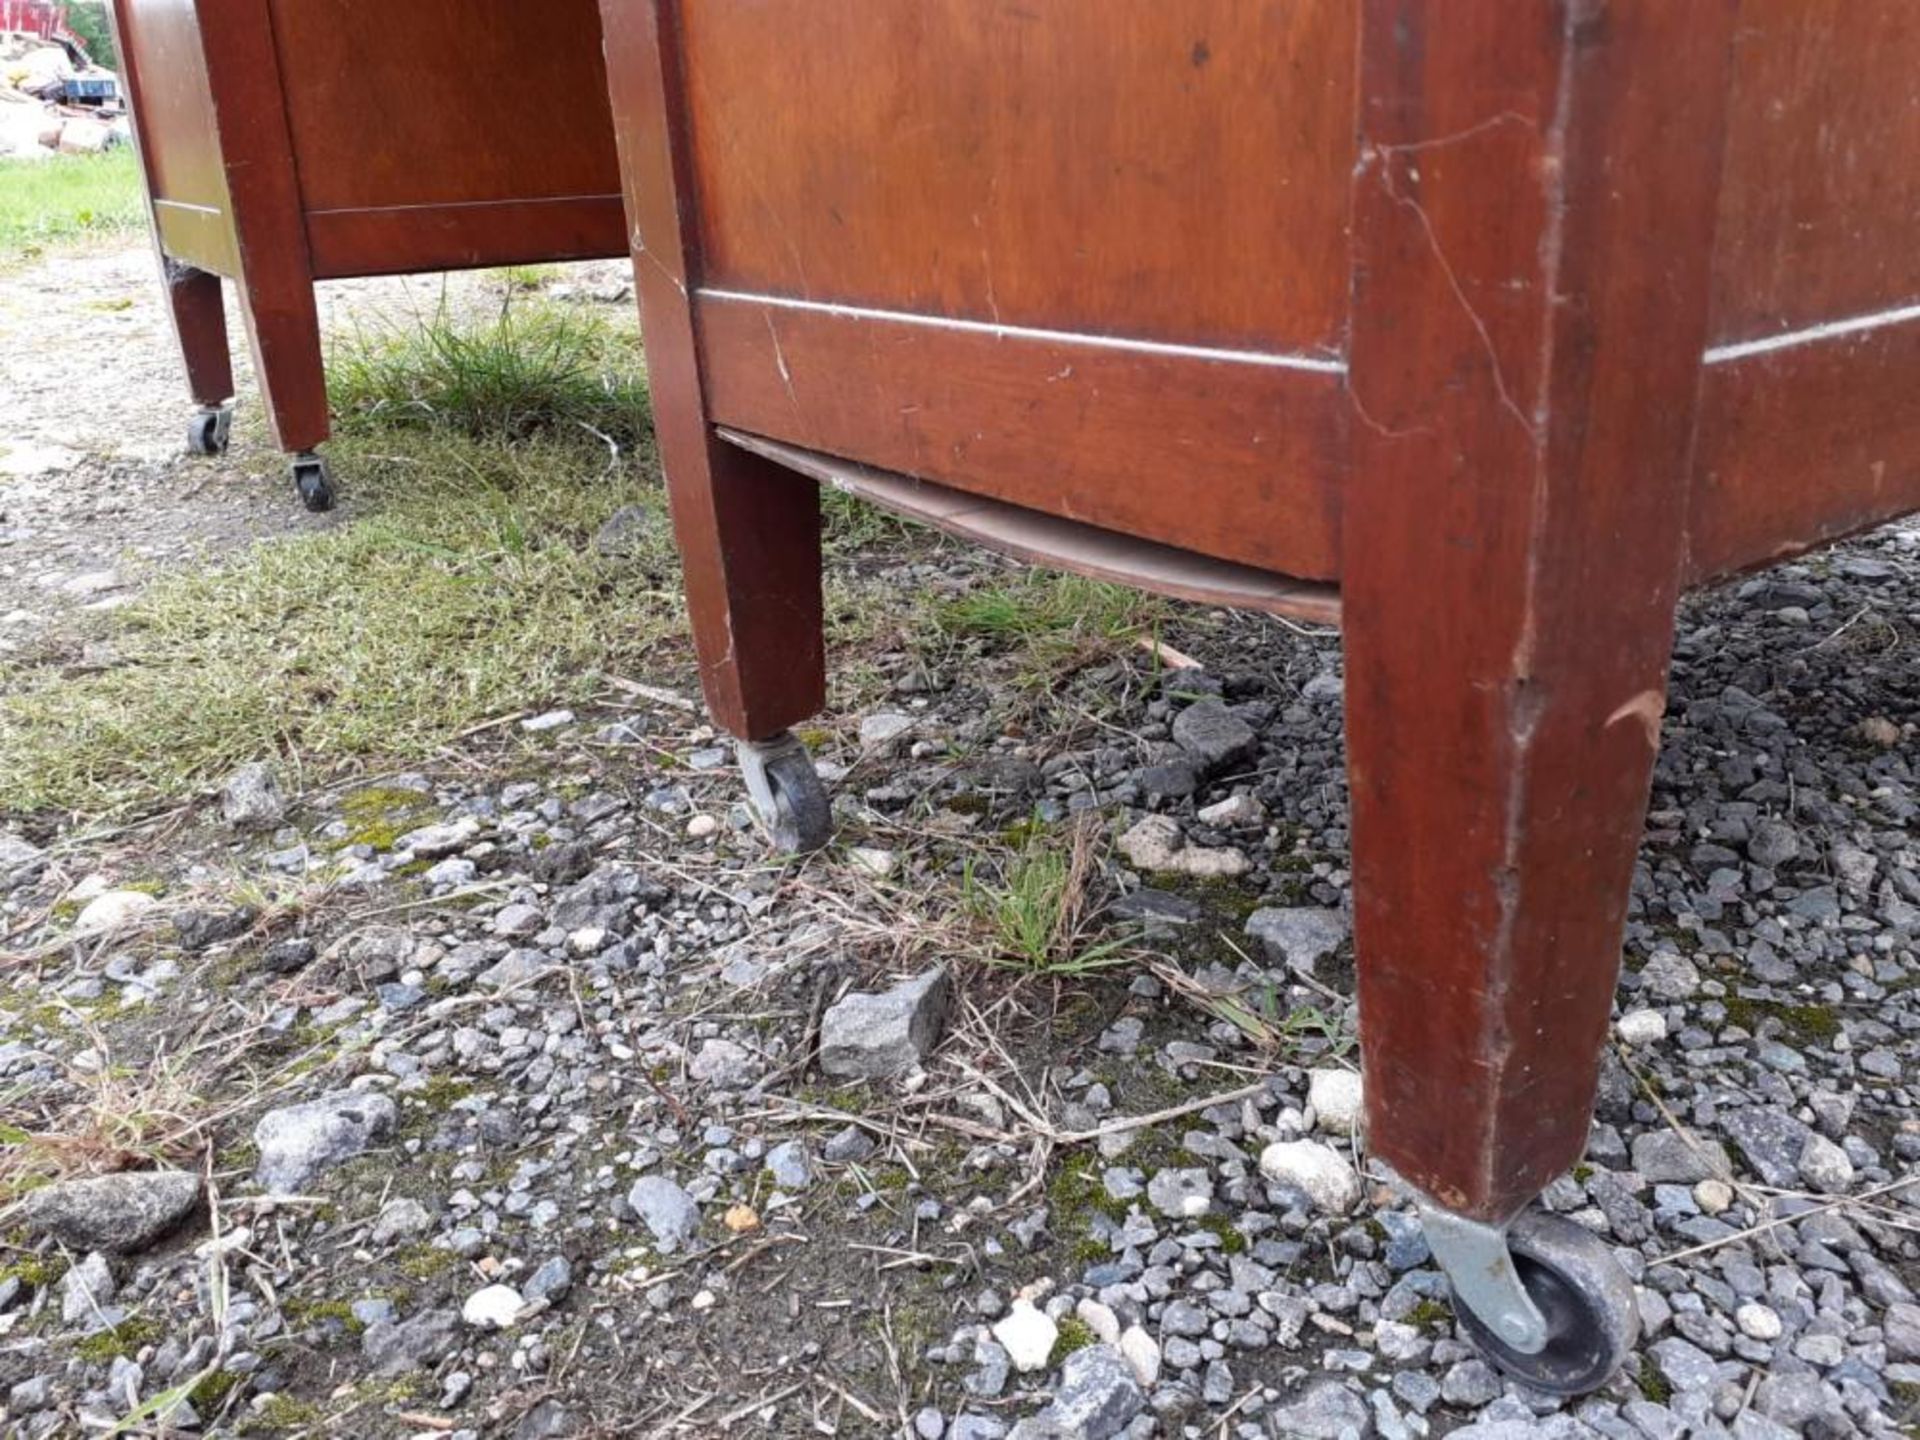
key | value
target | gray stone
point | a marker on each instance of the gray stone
(284, 957)
(667, 1210)
(844, 1147)
(1097, 1396)
(548, 1420)
(975, 1427)
(416, 1344)
(551, 1282)
(20, 862)
(198, 928)
(251, 798)
(30, 1395)
(1903, 1332)
(1667, 1157)
(626, 533)
(790, 1165)
(1326, 1410)
(1298, 935)
(1825, 1166)
(1798, 1400)
(1668, 976)
(1685, 1365)
(1772, 1141)
(116, 1213)
(876, 1036)
(1181, 1194)
(299, 1141)
(724, 1064)
(929, 1423)
(516, 970)
(1470, 1385)
(1213, 735)
(85, 1291)
(1772, 844)
(883, 727)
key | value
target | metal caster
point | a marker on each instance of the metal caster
(787, 793)
(311, 480)
(209, 429)
(1544, 1298)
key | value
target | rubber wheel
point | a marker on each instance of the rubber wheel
(790, 798)
(1593, 1319)
(207, 433)
(314, 484)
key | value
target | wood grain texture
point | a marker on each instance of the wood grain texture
(749, 530)
(166, 75)
(1531, 263)
(1170, 171)
(399, 240)
(445, 102)
(1820, 205)
(1234, 460)
(1803, 446)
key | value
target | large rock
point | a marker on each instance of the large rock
(112, 910)
(1096, 1399)
(1326, 1410)
(1027, 1335)
(116, 1213)
(251, 798)
(1772, 1141)
(394, 1348)
(875, 1036)
(1666, 1157)
(298, 1142)
(20, 861)
(1337, 1099)
(1156, 845)
(1321, 1172)
(1213, 735)
(1298, 935)
(665, 1209)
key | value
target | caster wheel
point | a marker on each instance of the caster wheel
(787, 793)
(207, 432)
(314, 484)
(1585, 1297)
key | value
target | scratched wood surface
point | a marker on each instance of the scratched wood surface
(1611, 296)
(1166, 171)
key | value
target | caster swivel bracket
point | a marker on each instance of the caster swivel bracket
(1480, 1268)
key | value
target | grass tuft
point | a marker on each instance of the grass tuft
(1033, 907)
(65, 197)
(530, 370)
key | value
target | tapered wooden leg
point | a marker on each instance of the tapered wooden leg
(283, 328)
(200, 328)
(749, 534)
(749, 530)
(1530, 312)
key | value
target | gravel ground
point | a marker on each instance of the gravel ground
(529, 1097)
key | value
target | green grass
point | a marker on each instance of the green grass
(471, 591)
(68, 196)
(533, 369)
(1032, 907)
(1050, 621)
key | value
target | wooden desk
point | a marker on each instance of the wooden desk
(289, 141)
(1485, 328)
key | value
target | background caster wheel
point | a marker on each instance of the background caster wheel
(208, 431)
(787, 793)
(1585, 1297)
(314, 484)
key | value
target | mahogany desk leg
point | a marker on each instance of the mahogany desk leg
(200, 329)
(749, 530)
(1531, 281)
(283, 328)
